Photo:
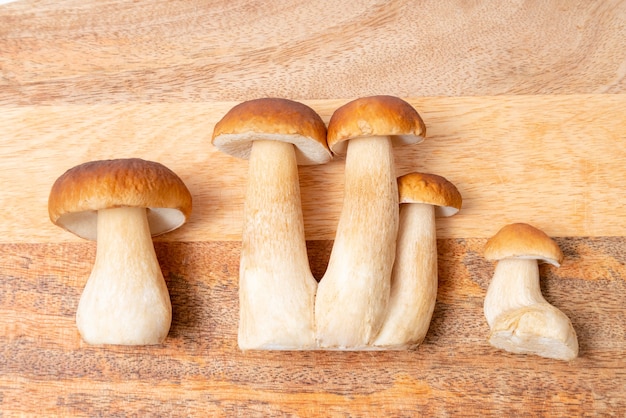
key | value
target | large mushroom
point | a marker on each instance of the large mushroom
(414, 277)
(122, 203)
(353, 294)
(276, 286)
(520, 319)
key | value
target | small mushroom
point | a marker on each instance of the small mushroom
(414, 275)
(352, 296)
(276, 286)
(520, 319)
(122, 203)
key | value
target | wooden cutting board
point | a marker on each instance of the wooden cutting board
(558, 162)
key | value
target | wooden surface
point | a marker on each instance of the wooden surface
(551, 160)
(524, 106)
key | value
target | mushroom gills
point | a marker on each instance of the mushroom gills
(125, 300)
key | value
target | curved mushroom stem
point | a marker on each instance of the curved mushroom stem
(352, 296)
(276, 286)
(413, 279)
(515, 284)
(520, 319)
(125, 300)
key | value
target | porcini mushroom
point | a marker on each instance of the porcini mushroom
(414, 276)
(276, 286)
(353, 294)
(520, 319)
(122, 203)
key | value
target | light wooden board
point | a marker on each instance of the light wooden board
(558, 162)
(89, 52)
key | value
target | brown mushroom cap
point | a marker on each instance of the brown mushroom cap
(430, 189)
(375, 116)
(81, 191)
(277, 120)
(520, 240)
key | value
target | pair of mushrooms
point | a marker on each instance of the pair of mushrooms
(360, 303)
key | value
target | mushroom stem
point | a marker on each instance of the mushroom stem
(125, 300)
(520, 319)
(413, 279)
(352, 296)
(276, 286)
(515, 284)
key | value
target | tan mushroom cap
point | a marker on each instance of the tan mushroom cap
(520, 240)
(273, 119)
(375, 116)
(430, 189)
(81, 191)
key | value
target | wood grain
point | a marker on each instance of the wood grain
(198, 51)
(524, 106)
(547, 160)
(199, 369)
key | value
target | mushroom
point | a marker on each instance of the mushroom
(414, 275)
(276, 286)
(520, 319)
(122, 203)
(353, 294)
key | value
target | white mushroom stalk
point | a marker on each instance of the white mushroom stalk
(122, 203)
(276, 287)
(515, 284)
(125, 300)
(414, 280)
(520, 319)
(352, 296)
